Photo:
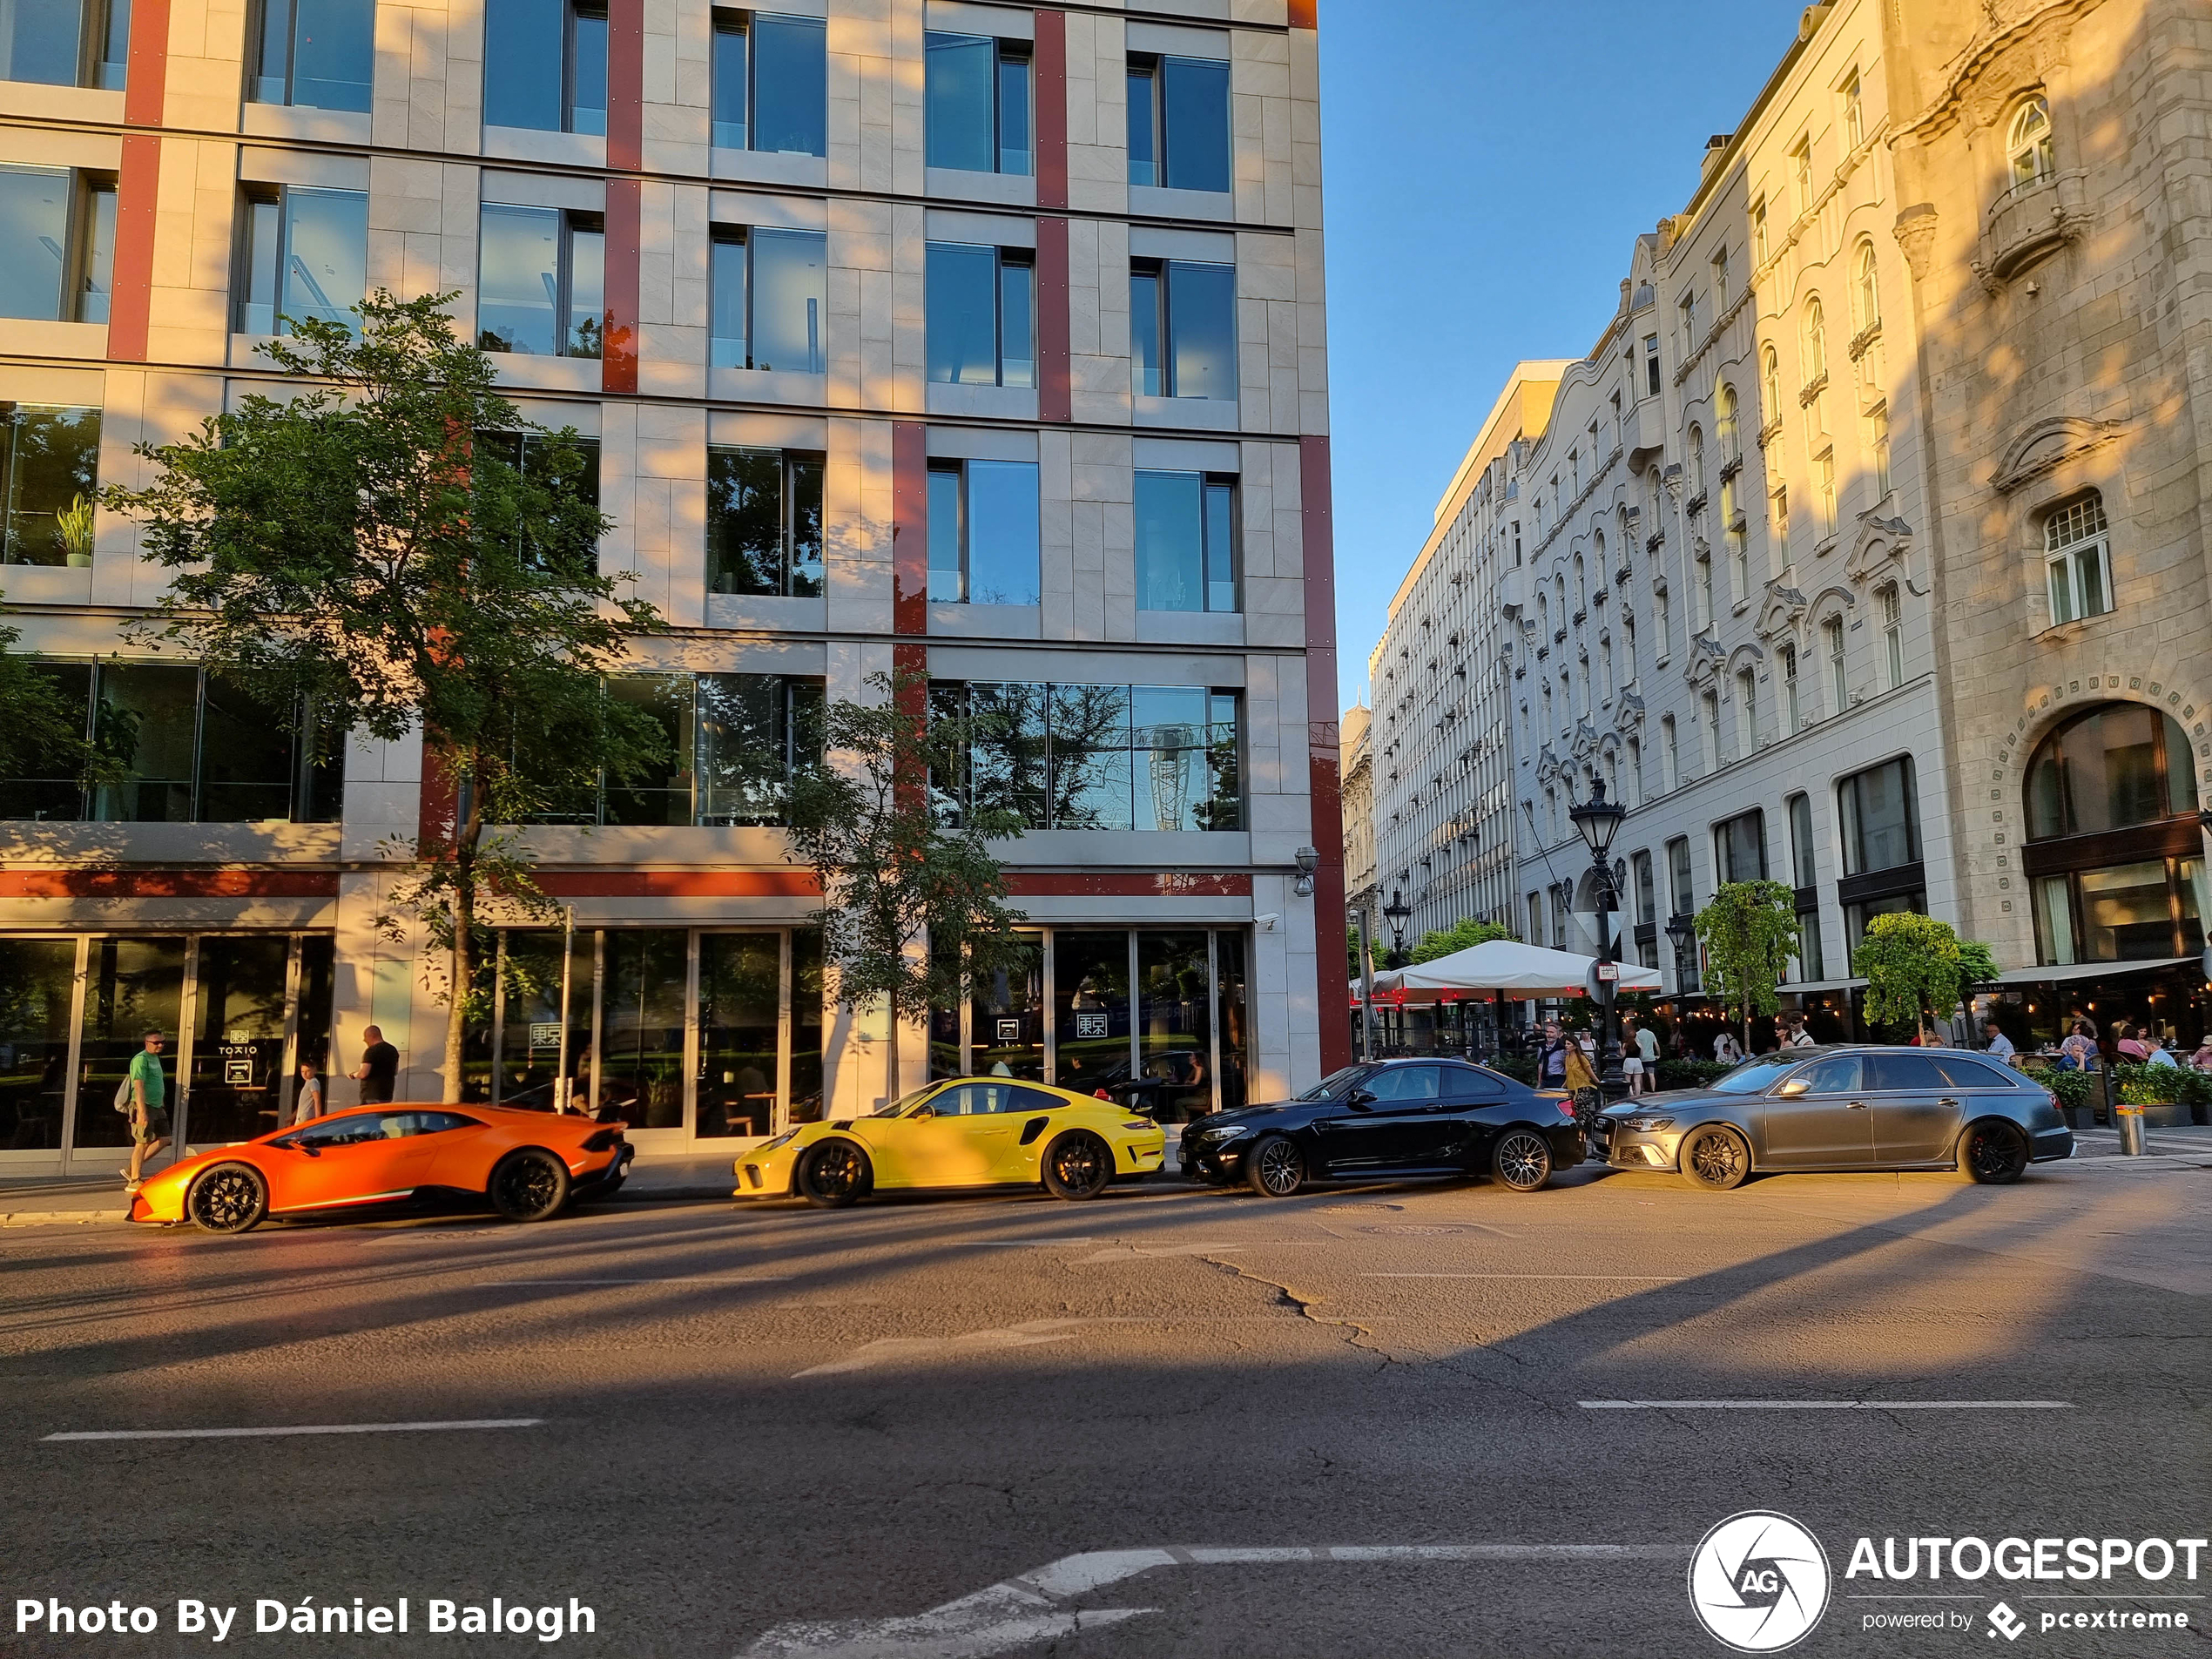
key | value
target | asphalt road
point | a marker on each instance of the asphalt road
(773, 1431)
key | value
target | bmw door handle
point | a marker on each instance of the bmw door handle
(1948, 1100)
(1859, 1105)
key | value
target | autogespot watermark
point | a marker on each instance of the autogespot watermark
(1759, 1582)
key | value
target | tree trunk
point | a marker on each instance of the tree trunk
(891, 1082)
(468, 828)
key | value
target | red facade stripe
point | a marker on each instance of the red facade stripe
(618, 352)
(146, 70)
(1304, 14)
(137, 192)
(1050, 60)
(909, 528)
(625, 86)
(168, 884)
(1323, 759)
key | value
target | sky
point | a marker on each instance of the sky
(1488, 165)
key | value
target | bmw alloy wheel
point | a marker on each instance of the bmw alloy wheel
(1275, 1168)
(1523, 1161)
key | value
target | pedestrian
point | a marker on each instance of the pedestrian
(1726, 1049)
(1800, 1036)
(2201, 1059)
(2127, 1042)
(2157, 1055)
(2000, 1045)
(2078, 1051)
(1648, 1048)
(144, 1097)
(379, 1070)
(1632, 1056)
(308, 1102)
(1551, 1063)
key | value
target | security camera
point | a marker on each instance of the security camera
(1266, 923)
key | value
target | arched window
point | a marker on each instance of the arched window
(2027, 142)
(1581, 587)
(1724, 423)
(1866, 292)
(1816, 362)
(1697, 462)
(2113, 854)
(1769, 386)
(2077, 554)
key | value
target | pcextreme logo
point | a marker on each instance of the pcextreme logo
(1758, 1582)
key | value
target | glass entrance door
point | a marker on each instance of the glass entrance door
(741, 978)
(132, 986)
(236, 1058)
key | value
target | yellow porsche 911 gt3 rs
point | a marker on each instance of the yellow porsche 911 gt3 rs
(964, 1132)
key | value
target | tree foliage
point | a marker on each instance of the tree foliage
(1976, 963)
(1750, 933)
(913, 904)
(1463, 934)
(1912, 966)
(399, 547)
(42, 731)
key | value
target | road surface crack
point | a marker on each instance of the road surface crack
(1308, 1308)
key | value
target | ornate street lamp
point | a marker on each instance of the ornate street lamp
(1599, 820)
(1398, 913)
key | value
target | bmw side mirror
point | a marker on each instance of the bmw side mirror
(1360, 1099)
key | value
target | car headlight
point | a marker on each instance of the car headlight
(1226, 1132)
(1138, 1122)
(1650, 1125)
(771, 1145)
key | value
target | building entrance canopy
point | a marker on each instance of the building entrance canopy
(1504, 967)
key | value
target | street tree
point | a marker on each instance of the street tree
(914, 909)
(1463, 934)
(42, 730)
(1977, 964)
(397, 548)
(1750, 933)
(1914, 968)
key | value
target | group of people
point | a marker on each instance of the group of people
(144, 1096)
(1568, 1059)
(2132, 1044)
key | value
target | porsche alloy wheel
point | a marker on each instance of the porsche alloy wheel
(529, 1185)
(1522, 1161)
(229, 1198)
(833, 1174)
(1078, 1166)
(1992, 1153)
(1275, 1168)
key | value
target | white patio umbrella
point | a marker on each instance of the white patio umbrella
(1505, 967)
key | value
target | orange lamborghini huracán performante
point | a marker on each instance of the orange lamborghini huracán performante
(526, 1165)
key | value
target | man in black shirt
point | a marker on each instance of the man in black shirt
(379, 1069)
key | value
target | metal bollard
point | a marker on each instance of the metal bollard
(2130, 1120)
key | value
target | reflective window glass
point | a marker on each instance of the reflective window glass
(131, 986)
(1404, 1084)
(1003, 530)
(1835, 1074)
(744, 521)
(1090, 1008)
(791, 84)
(49, 475)
(808, 1026)
(726, 300)
(39, 41)
(145, 723)
(529, 1042)
(659, 791)
(948, 543)
(46, 785)
(1174, 1025)
(789, 300)
(1091, 774)
(1007, 1016)
(34, 227)
(1229, 1001)
(1202, 329)
(334, 53)
(962, 294)
(2117, 766)
(1144, 331)
(1881, 826)
(37, 990)
(518, 293)
(237, 1037)
(1195, 99)
(2125, 915)
(1174, 752)
(1972, 1074)
(641, 1063)
(1143, 153)
(588, 72)
(1171, 541)
(326, 256)
(1891, 1073)
(247, 760)
(959, 71)
(740, 993)
(730, 87)
(524, 68)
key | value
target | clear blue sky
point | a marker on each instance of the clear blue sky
(1488, 166)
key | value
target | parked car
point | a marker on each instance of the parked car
(1844, 1107)
(1391, 1117)
(963, 1132)
(529, 1166)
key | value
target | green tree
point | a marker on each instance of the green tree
(913, 904)
(1977, 964)
(1913, 967)
(398, 545)
(42, 731)
(1463, 934)
(1750, 933)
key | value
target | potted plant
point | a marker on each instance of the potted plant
(76, 525)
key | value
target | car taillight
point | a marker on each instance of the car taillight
(1101, 1093)
(604, 1141)
(1567, 1108)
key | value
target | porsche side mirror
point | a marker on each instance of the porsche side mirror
(920, 1112)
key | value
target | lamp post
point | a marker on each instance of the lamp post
(1598, 821)
(1398, 913)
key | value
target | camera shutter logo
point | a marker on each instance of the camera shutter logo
(1758, 1582)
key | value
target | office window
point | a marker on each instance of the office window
(1791, 716)
(191, 746)
(59, 226)
(2077, 551)
(303, 254)
(976, 91)
(1098, 756)
(1186, 542)
(65, 43)
(983, 518)
(49, 478)
(1880, 819)
(1635, 796)
(767, 300)
(770, 76)
(1182, 329)
(1669, 754)
(1536, 918)
(1739, 556)
(982, 314)
(1739, 846)
(317, 54)
(2027, 143)
(573, 483)
(755, 731)
(1831, 638)
(1687, 307)
(764, 522)
(1641, 886)
(1697, 463)
(1651, 365)
(1894, 634)
(1178, 121)
(1770, 384)
(542, 287)
(1747, 711)
(1662, 613)
(545, 65)
(1854, 112)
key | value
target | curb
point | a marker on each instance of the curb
(56, 1217)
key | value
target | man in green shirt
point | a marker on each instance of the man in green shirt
(149, 1107)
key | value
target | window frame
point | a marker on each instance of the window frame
(571, 223)
(1004, 51)
(258, 77)
(2069, 564)
(2029, 140)
(1162, 332)
(792, 582)
(961, 567)
(1003, 260)
(248, 254)
(747, 237)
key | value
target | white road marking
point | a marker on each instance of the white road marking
(1825, 1404)
(885, 1349)
(302, 1428)
(1130, 1252)
(1019, 1611)
(1021, 1243)
(674, 1278)
(1626, 1278)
